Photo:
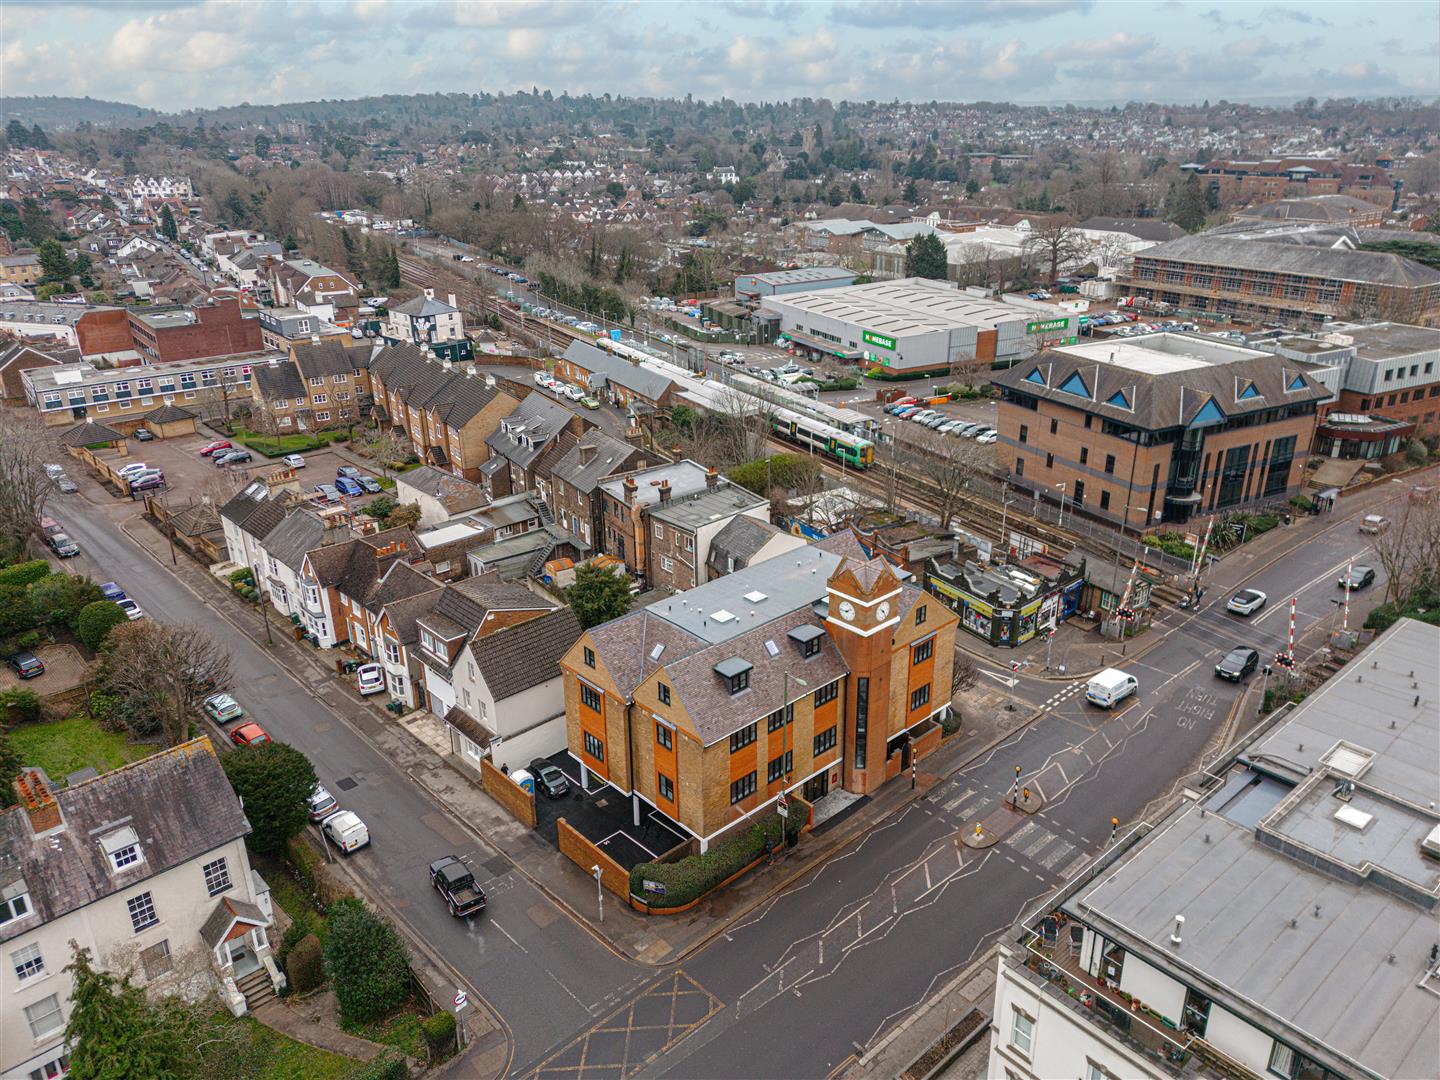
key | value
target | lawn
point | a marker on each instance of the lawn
(401, 1030)
(60, 747)
(280, 445)
(245, 1049)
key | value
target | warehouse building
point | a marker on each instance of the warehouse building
(804, 279)
(916, 325)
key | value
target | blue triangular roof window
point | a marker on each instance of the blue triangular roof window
(1209, 414)
(1036, 377)
(1297, 383)
(1075, 385)
(1249, 392)
(1118, 399)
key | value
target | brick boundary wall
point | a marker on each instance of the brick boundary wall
(519, 802)
(585, 855)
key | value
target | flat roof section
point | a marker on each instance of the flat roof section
(897, 308)
(1385, 341)
(1162, 354)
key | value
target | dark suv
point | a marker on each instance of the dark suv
(27, 665)
(549, 780)
(1237, 663)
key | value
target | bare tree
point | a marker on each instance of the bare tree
(1054, 246)
(384, 445)
(949, 466)
(965, 675)
(1409, 551)
(26, 446)
(162, 672)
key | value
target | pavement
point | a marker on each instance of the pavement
(291, 1019)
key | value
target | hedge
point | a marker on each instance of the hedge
(24, 573)
(1171, 543)
(439, 1032)
(305, 965)
(95, 621)
(695, 875)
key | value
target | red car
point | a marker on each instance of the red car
(249, 735)
(210, 448)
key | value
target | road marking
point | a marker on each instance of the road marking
(495, 923)
(1005, 680)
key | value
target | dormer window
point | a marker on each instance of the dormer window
(15, 907)
(123, 848)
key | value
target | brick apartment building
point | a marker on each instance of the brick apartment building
(1261, 280)
(575, 497)
(223, 328)
(321, 385)
(66, 394)
(1157, 429)
(802, 674)
(1276, 178)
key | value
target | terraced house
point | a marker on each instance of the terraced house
(815, 670)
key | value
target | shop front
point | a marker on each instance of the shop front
(998, 605)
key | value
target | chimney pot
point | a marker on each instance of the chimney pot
(40, 805)
(664, 491)
(712, 477)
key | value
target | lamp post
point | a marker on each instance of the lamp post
(1060, 521)
(599, 891)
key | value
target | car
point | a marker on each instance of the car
(65, 485)
(1357, 578)
(1237, 663)
(1374, 524)
(249, 735)
(907, 400)
(144, 435)
(1246, 602)
(350, 472)
(210, 447)
(54, 471)
(456, 883)
(370, 679)
(920, 417)
(111, 591)
(948, 426)
(549, 780)
(328, 492)
(574, 393)
(321, 803)
(132, 610)
(346, 831)
(369, 484)
(232, 457)
(346, 486)
(222, 708)
(589, 402)
(295, 461)
(27, 665)
(133, 469)
(987, 437)
(147, 482)
(541, 378)
(63, 546)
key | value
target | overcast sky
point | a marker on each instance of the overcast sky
(174, 55)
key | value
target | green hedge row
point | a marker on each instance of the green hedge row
(695, 875)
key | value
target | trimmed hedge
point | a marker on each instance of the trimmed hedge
(305, 965)
(695, 875)
(25, 573)
(1171, 543)
(439, 1032)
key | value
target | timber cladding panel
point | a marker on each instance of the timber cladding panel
(586, 855)
(507, 793)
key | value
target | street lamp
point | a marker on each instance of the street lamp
(1060, 521)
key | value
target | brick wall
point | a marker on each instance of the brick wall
(585, 855)
(507, 793)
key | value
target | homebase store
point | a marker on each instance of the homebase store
(917, 325)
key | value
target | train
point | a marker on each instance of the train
(854, 450)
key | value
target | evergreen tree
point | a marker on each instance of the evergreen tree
(10, 766)
(912, 193)
(38, 139)
(925, 256)
(16, 135)
(168, 228)
(53, 263)
(392, 268)
(856, 194)
(1187, 204)
(598, 595)
(116, 1032)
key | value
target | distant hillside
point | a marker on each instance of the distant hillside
(60, 113)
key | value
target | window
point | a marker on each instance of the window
(659, 531)
(812, 647)
(924, 650)
(1104, 500)
(664, 737)
(590, 697)
(666, 563)
(594, 747)
(1019, 466)
(1094, 1071)
(1054, 426)
(123, 847)
(589, 657)
(780, 717)
(1084, 454)
(157, 960)
(53, 1069)
(740, 681)
(665, 787)
(392, 652)
(662, 690)
(27, 962)
(1110, 463)
(779, 767)
(920, 698)
(1079, 496)
(744, 737)
(825, 740)
(1024, 433)
(317, 380)
(1089, 422)
(862, 718)
(1022, 1032)
(1049, 461)
(339, 378)
(1282, 1058)
(142, 912)
(920, 615)
(217, 876)
(689, 543)
(742, 788)
(321, 417)
(828, 692)
(44, 1016)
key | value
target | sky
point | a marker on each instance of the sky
(173, 54)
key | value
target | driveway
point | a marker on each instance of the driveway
(605, 818)
(65, 669)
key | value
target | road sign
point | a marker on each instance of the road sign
(461, 1000)
(657, 887)
(782, 807)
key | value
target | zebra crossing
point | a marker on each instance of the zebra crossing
(1063, 695)
(1041, 848)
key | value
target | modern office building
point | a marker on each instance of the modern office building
(1282, 923)
(66, 394)
(1158, 428)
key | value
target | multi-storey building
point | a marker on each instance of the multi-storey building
(321, 385)
(346, 586)
(1281, 923)
(518, 449)
(282, 327)
(325, 293)
(145, 867)
(66, 394)
(575, 497)
(21, 269)
(1268, 279)
(811, 671)
(100, 333)
(1316, 209)
(431, 324)
(1274, 178)
(144, 188)
(1155, 429)
(165, 335)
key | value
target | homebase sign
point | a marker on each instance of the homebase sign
(1045, 325)
(872, 338)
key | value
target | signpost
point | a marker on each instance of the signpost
(461, 1000)
(782, 806)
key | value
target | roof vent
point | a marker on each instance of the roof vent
(723, 616)
(1347, 759)
(1355, 818)
(656, 651)
(1431, 844)
(754, 597)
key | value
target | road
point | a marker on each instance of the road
(544, 974)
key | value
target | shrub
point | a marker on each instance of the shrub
(439, 1032)
(243, 576)
(385, 1067)
(30, 639)
(25, 573)
(380, 506)
(1415, 452)
(1301, 502)
(695, 875)
(275, 780)
(19, 706)
(1171, 543)
(367, 963)
(95, 621)
(305, 965)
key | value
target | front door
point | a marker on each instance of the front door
(816, 786)
(242, 957)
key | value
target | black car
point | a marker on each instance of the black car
(26, 665)
(1238, 663)
(549, 780)
(232, 457)
(454, 881)
(1358, 578)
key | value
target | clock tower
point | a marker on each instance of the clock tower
(863, 600)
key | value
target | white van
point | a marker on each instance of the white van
(1111, 687)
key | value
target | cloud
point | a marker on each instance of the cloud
(940, 14)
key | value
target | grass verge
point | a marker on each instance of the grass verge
(242, 1048)
(60, 747)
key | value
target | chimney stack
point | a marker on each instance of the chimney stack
(712, 477)
(446, 364)
(587, 453)
(429, 294)
(630, 487)
(452, 301)
(664, 491)
(40, 806)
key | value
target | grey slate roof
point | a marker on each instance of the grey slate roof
(637, 378)
(609, 455)
(456, 493)
(354, 569)
(423, 382)
(538, 420)
(1258, 254)
(403, 613)
(89, 433)
(740, 540)
(279, 382)
(1141, 228)
(423, 305)
(515, 658)
(1311, 208)
(324, 358)
(292, 538)
(168, 414)
(227, 911)
(178, 802)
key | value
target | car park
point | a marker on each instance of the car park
(222, 708)
(368, 484)
(1237, 663)
(63, 546)
(321, 803)
(350, 472)
(295, 461)
(209, 448)
(1357, 577)
(948, 426)
(456, 883)
(1246, 602)
(26, 665)
(346, 831)
(249, 735)
(132, 610)
(370, 679)
(328, 492)
(549, 780)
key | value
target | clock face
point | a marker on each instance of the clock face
(847, 611)
(883, 611)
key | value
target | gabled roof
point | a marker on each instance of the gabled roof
(455, 493)
(279, 381)
(227, 913)
(403, 612)
(423, 305)
(1141, 228)
(1280, 258)
(515, 658)
(594, 456)
(289, 541)
(318, 359)
(741, 539)
(537, 420)
(646, 382)
(357, 570)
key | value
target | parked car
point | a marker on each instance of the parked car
(27, 665)
(133, 469)
(111, 591)
(369, 484)
(350, 472)
(328, 492)
(65, 485)
(346, 486)
(589, 402)
(295, 461)
(148, 481)
(1246, 602)
(132, 610)
(210, 447)
(346, 831)
(454, 881)
(232, 457)
(1237, 663)
(987, 437)
(541, 378)
(1358, 577)
(144, 435)
(549, 780)
(63, 546)
(370, 679)
(249, 735)
(54, 471)
(574, 393)
(322, 804)
(222, 708)
(1374, 524)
